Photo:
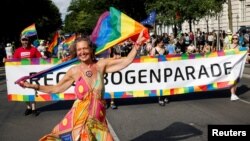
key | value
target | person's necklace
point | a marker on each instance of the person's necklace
(89, 73)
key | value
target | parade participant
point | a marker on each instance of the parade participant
(47, 53)
(228, 39)
(191, 49)
(9, 51)
(87, 118)
(159, 49)
(206, 48)
(234, 45)
(42, 47)
(3, 55)
(28, 51)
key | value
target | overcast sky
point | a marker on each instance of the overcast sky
(62, 6)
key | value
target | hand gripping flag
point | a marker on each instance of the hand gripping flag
(150, 19)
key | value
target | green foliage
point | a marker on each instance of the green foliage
(22, 13)
(83, 14)
(186, 9)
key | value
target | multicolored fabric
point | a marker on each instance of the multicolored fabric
(30, 30)
(54, 42)
(114, 27)
(86, 119)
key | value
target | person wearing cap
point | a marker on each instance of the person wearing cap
(28, 51)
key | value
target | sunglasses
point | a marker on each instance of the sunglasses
(25, 40)
(235, 38)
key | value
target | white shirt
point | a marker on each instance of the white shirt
(9, 52)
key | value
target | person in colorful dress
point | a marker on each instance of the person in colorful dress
(86, 119)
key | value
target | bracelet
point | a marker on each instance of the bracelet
(38, 87)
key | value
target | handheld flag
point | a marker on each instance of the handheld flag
(114, 27)
(54, 42)
(67, 42)
(150, 19)
(30, 30)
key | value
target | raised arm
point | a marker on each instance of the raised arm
(62, 86)
(113, 64)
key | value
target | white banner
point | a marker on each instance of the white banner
(142, 77)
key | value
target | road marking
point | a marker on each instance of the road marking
(115, 137)
(244, 101)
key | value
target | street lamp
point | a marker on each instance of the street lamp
(237, 17)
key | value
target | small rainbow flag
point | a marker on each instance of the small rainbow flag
(114, 27)
(67, 42)
(54, 42)
(30, 30)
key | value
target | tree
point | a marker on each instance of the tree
(43, 13)
(83, 14)
(172, 12)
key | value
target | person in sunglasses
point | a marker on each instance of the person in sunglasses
(234, 45)
(27, 51)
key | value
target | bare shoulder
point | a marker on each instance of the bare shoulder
(73, 69)
(102, 63)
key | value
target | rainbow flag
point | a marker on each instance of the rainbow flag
(67, 42)
(54, 42)
(30, 30)
(114, 27)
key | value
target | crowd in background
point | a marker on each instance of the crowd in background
(190, 43)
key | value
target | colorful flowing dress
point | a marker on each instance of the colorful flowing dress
(86, 119)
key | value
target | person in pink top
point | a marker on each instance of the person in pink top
(28, 51)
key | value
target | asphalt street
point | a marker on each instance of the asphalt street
(186, 117)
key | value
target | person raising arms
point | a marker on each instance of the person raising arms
(86, 120)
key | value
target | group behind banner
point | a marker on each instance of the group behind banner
(146, 77)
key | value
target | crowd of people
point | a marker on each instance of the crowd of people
(184, 43)
(7, 51)
(89, 73)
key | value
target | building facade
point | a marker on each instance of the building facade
(240, 17)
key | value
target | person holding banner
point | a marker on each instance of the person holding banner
(28, 51)
(234, 45)
(86, 120)
(159, 49)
